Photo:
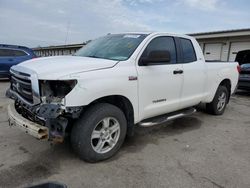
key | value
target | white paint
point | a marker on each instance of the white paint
(98, 78)
(55, 67)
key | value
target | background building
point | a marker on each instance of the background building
(223, 45)
(57, 50)
(218, 45)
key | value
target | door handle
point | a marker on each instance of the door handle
(178, 71)
(10, 59)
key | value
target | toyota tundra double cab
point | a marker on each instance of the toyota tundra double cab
(114, 83)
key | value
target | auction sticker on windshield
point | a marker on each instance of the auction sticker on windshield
(131, 36)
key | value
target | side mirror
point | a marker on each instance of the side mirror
(155, 57)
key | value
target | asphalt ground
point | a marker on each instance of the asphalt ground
(197, 151)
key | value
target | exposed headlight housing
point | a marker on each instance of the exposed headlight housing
(55, 90)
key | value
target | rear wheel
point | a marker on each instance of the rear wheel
(99, 133)
(219, 103)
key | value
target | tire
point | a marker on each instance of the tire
(88, 144)
(221, 96)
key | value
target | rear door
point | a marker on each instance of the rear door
(159, 86)
(194, 74)
(6, 59)
(19, 56)
(10, 57)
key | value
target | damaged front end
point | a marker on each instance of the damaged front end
(49, 111)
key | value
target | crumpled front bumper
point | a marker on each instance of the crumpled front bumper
(15, 119)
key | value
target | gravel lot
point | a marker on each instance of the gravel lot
(196, 151)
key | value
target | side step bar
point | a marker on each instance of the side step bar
(167, 117)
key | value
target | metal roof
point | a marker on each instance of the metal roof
(220, 32)
(60, 46)
(201, 35)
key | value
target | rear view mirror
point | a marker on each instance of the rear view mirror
(156, 57)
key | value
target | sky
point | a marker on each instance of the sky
(54, 22)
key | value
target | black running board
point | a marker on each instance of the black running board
(166, 117)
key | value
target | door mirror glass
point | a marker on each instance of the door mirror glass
(156, 57)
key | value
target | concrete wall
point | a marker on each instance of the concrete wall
(226, 43)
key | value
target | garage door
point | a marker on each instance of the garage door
(236, 47)
(213, 51)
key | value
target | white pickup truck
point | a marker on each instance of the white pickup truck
(115, 82)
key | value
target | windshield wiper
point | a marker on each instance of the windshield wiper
(93, 56)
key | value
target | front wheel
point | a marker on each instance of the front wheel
(219, 103)
(99, 133)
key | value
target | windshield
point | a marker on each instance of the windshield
(115, 47)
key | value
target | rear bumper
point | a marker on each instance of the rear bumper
(31, 128)
(244, 84)
(4, 74)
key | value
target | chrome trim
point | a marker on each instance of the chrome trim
(15, 95)
(19, 71)
(19, 74)
(26, 92)
(167, 118)
(20, 81)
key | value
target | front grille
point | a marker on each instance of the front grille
(21, 84)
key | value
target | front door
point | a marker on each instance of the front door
(160, 84)
(6, 60)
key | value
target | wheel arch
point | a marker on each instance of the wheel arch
(122, 103)
(227, 83)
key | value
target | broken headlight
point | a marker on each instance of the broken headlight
(54, 90)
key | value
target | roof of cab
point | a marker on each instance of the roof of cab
(156, 33)
(171, 34)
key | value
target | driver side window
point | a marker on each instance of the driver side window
(162, 44)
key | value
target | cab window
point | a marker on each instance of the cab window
(162, 44)
(188, 52)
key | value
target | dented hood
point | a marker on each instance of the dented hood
(56, 67)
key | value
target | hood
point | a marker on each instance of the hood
(56, 67)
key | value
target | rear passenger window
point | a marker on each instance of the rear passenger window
(5, 53)
(162, 44)
(188, 50)
(11, 53)
(18, 53)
